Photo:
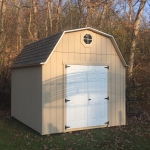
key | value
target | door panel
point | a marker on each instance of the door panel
(77, 94)
(97, 92)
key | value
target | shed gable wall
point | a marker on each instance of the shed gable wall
(70, 50)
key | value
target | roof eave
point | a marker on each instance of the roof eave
(24, 66)
(118, 51)
(89, 28)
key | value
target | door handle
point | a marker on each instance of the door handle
(89, 99)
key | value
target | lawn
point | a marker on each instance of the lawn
(135, 136)
(16, 136)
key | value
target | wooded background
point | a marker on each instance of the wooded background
(26, 21)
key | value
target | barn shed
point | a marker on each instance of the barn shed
(73, 80)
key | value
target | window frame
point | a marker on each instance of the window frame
(82, 38)
(88, 39)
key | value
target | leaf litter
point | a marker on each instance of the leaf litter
(134, 135)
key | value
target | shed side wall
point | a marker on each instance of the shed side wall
(27, 95)
(71, 50)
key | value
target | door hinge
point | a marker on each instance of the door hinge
(107, 98)
(66, 100)
(107, 67)
(66, 66)
(107, 123)
(67, 127)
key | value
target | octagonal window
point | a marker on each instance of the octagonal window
(87, 39)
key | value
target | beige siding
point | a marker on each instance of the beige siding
(104, 49)
(71, 50)
(112, 89)
(122, 99)
(77, 48)
(59, 93)
(53, 98)
(82, 53)
(118, 112)
(109, 49)
(46, 97)
(27, 96)
(124, 96)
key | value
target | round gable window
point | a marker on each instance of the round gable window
(87, 39)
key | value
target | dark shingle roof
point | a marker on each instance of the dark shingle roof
(37, 52)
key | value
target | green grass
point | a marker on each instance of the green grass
(16, 136)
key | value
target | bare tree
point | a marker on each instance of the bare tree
(3, 4)
(59, 21)
(136, 31)
(35, 23)
(130, 2)
(49, 23)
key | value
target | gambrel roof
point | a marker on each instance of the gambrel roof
(38, 53)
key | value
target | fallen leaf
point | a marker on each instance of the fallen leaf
(28, 143)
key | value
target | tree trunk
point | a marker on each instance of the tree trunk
(35, 26)
(29, 25)
(103, 13)
(2, 12)
(18, 29)
(136, 31)
(49, 18)
(80, 5)
(87, 21)
(130, 10)
(58, 20)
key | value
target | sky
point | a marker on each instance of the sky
(124, 3)
(147, 11)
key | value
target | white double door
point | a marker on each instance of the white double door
(85, 96)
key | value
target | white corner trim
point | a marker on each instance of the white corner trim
(118, 51)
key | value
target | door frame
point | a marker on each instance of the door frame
(64, 86)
